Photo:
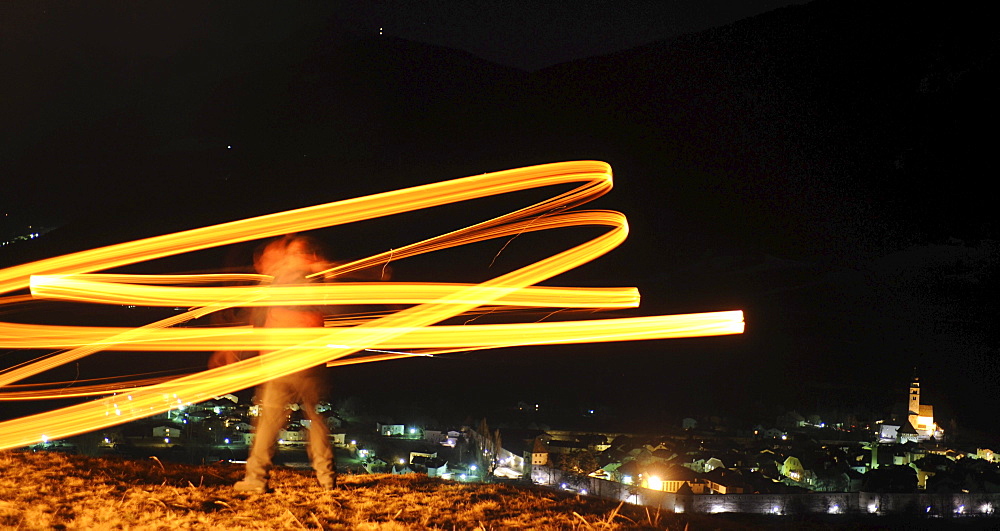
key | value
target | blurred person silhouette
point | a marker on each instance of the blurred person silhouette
(235, 262)
(289, 260)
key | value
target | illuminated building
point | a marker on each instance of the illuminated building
(916, 425)
(921, 416)
(539, 453)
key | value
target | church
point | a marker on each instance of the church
(921, 416)
(916, 425)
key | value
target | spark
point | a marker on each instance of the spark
(391, 336)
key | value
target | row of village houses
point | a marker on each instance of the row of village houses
(774, 461)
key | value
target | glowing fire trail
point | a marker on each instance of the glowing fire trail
(66, 278)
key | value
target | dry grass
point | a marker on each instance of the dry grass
(57, 491)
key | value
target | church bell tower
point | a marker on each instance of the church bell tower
(914, 408)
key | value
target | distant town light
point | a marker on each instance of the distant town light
(45, 438)
(166, 440)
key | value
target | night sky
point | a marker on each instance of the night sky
(65, 62)
(846, 231)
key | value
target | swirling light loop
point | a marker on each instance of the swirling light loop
(70, 277)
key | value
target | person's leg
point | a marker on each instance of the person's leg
(274, 396)
(320, 450)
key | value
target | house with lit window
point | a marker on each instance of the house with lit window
(390, 430)
(167, 432)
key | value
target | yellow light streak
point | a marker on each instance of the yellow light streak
(71, 278)
(436, 337)
(80, 289)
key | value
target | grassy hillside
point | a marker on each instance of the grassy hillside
(58, 491)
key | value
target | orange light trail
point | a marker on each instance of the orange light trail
(71, 278)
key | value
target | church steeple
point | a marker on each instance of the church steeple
(921, 416)
(914, 405)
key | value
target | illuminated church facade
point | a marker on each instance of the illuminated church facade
(921, 416)
(916, 425)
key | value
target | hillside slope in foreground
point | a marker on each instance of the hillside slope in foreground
(58, 491)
